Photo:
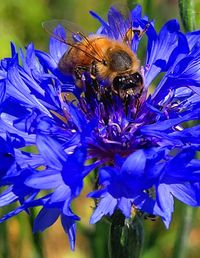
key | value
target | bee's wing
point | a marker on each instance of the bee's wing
(124, 23)
(70, 34)
(73, 33)
(120, 17)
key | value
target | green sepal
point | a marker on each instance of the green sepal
(126, 237)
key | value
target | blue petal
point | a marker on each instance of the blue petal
(60, 194)
(146, 204)
(167, 124)
(193, 37)
(46, 60)
(25, 159)
(160, 48)
(135, 164)
(184, 72)
(2, 91)
(70, 228)
(7, 156)
(67, 210)
(97, 193)
(105, 174)
(106, 206)
(17, 88)
(179, 163)
(187, 69)
(56, 47)
(7, 197)
(73, 168)
(46, 179)
(136, 13)
(45, 218)
(106, 28)
(125, 206)
(185, 193)
(29, 62)
(165, 202)
(29, 203)
(51, 151)
(12, 213)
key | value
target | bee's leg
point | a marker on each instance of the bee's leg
(93, 70)
(142, 32)
(79, 76)
(138, 32)
(77, 73)
(113, 89)
(93, 75)
(79, 70)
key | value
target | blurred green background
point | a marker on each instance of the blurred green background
(20, 22)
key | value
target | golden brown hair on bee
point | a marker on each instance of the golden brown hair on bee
(103, 58)
(110, 57)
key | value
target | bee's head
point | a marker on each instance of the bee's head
(131, 83)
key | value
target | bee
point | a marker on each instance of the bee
(102, 57)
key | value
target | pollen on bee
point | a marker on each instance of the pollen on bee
(129, 35)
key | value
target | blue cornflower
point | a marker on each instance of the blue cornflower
(142, 151)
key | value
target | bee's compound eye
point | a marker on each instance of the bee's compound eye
(117, 82)
(137, 78)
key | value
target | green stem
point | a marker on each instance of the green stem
(187, 14)
(181, 247)
(126, 237)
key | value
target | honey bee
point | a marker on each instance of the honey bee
(102, 57)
